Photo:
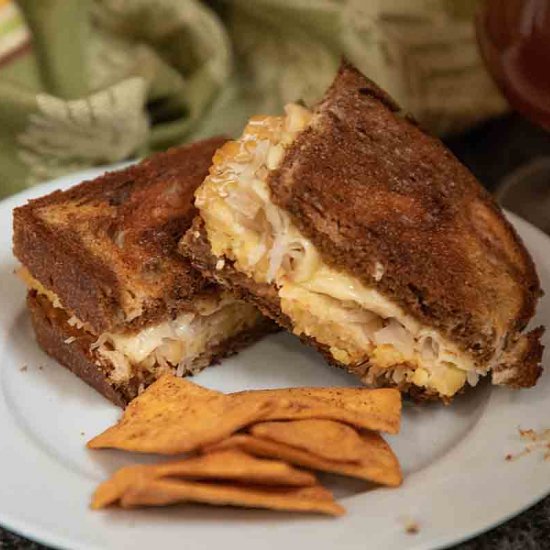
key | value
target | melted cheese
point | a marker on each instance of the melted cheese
(357, 323)
(169, 345)
(174, 343)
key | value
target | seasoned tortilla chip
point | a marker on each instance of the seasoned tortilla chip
(230, 464)
(378, 463)
(161, 492)
(236, 465)
(378, 409)
(175, 416)
(112, 489)
(324, 438)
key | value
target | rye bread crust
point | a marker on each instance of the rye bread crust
(71, 348)
(367, 185)
(108, 247)
(52, 334)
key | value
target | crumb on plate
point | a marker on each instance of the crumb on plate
(537, 440)
(412, 528)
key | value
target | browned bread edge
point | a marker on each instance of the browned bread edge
(75, 356)
(86, 287)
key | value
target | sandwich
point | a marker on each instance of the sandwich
(364, 236)
(109, 295)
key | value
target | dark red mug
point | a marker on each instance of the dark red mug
(514, 38)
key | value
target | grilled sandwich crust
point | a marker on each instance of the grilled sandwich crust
(108, 247)
(52, 332)
(366, 185)
(70, 346)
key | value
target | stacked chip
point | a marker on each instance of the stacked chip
(247, 449)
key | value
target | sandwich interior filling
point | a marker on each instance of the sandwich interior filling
(361, 328)
(175, 345)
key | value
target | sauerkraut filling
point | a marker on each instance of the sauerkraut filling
(175, 345)
(361, 327)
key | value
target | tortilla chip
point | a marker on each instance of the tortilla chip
(378, 463)
(161, 492)
(230, 464)
(236, 465)
(175, 416)
(378, 409)
(111, 490)
(324, 438)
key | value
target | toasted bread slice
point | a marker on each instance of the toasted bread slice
(366, 237)
(110, 296)
(108, 248)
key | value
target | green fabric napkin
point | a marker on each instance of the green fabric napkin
(88, 82)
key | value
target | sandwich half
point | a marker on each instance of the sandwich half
(355, 230)
(109, 294)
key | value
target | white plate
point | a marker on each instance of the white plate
(457, 481)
